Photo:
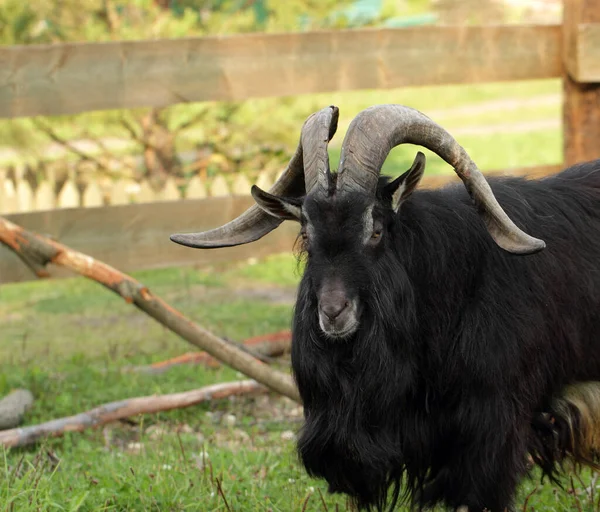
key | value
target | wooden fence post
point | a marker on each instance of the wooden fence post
(581, 107)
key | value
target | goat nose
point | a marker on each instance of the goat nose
(333, 306)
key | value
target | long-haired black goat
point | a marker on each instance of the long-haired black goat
(432, 358)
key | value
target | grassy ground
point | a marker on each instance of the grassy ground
(69, 342)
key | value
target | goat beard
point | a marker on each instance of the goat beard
(351, 436)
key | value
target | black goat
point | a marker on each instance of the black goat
(432, 363)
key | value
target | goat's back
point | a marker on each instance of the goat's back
(549, 302)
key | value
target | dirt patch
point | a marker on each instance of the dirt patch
(504, 104)
(286, 296)
(264, 292)
(523, 127)
(274, 418)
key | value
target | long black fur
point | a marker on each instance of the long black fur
(441, 393)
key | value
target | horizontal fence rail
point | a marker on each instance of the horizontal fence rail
(72, 78)
(136, 236)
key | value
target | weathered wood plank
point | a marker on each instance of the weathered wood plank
(581, 105)
(136, 237)
(77, 77)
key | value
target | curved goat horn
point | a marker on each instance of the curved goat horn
(319, 130)
(308, 166)
(376, 130)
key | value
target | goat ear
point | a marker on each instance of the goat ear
(282, 208)
(404, 185)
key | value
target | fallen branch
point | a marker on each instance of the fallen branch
(37, 251)
(114, 411)
(266, 345)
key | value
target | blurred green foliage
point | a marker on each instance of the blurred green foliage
(41, 21)
(155, 134)
(258, 134)
(265, 128)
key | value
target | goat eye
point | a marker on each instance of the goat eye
(376, 234)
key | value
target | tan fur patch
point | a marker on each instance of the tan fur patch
(585, 430)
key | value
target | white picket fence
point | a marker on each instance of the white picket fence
(17, 195)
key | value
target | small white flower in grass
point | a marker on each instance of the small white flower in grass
(212, 494)
(229, 420)
(167, 466)
(135, 447)
(288, 435)
(291, 480)
(311, 489)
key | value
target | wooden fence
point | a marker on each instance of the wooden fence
(72, 78)
(18, 194)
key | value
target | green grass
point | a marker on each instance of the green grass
(490, 152)
(169, 478)
(71, 341)
(498, 115)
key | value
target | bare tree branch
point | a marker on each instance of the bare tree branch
(51, 133)
(37, 251)
(100, 144)
(131, 130)
(191, 122)
(114, 411)
(110, 16)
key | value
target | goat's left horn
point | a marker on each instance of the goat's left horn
(376, 130)
(298, 178)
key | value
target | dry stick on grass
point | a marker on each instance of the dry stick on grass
(37, 251)
(114, 411)
(265, 345)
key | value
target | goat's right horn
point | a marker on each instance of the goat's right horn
(376, 130)
(308, 166)
(318, 130)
